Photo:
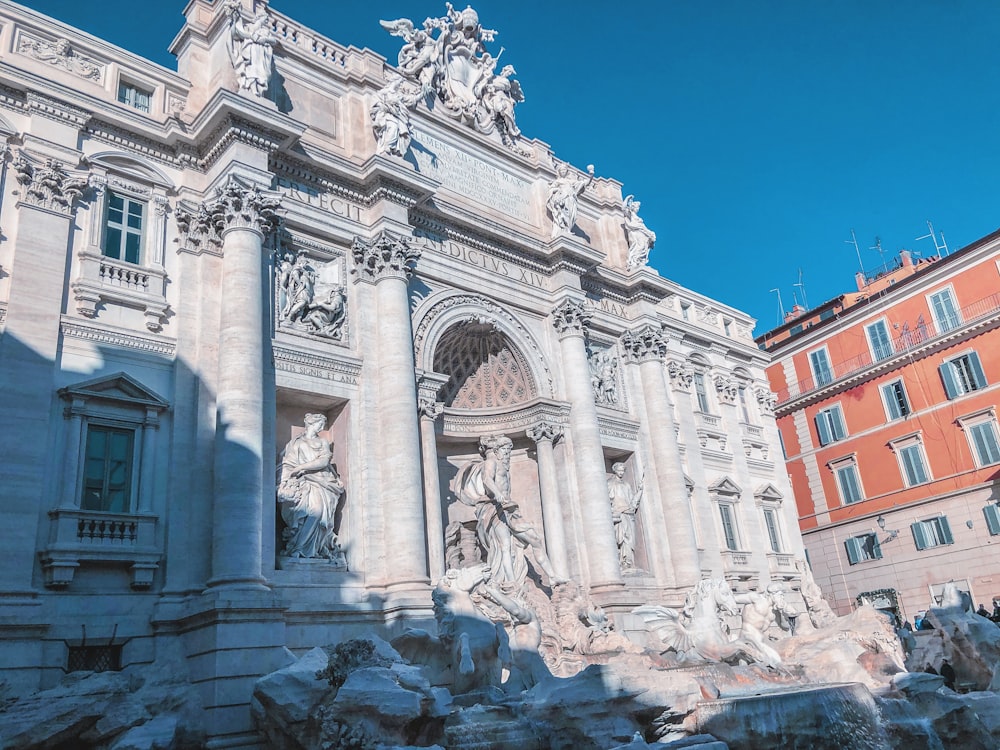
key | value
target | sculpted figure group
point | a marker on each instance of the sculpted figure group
(306, 305)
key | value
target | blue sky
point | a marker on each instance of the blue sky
(756, 134)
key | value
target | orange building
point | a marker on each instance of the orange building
(887, 409)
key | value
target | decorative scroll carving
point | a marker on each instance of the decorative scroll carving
(646, 344)
(49, 186)
(681, 376)
(545, 431)
(429, 408)
(307, 299)
(457, 70)
(604, 377)
(240, 206)
(386, 255)
(571, 317)
(251, 49)
(766, 399)
(640, 239)
(562, 201)
(197, 229)
(61, 54)
(727, 389)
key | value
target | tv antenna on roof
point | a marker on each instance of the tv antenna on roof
(802, 290)
(938, 248)
(854, 241)
(881, 253)
(781, 307)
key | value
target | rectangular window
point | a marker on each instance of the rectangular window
(820, 363)
(992, 514)
(945, 313)
(133, 96)
(744, 407)
(931, 533)
(700, 392)
(830, 425)
(771, 522)
(862, 548)
(727, 326)
(897, 405)
(878, 339)
(984, 440)
(781, 442)
(826, 315)
(123, 228)
(847, 481)
(107, 475)
(728, 528)
(911, 458)
(962, 375)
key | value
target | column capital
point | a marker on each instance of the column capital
(570, 318)
(545, 431)
(49, 186)
(429, 408)
(646, 344)
(726, 388)
(681, 375)
(387, 255)
(197, 231)
(237, 205)
(766, 399)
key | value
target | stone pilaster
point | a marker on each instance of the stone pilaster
(545, 435)
(430, 409)
(647, 348)
(243, 216)
(570, 319)
(386, 261)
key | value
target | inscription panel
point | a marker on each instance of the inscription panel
(471, 176)
(322, 200)
(480, 259)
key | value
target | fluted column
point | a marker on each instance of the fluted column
(386, 262)
(430, 410)
(647, 347)
(545, 434)
(570, 319)
(243, 215)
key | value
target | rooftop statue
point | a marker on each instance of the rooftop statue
(251, 49)
(640, 239)
(563, 198)
(391, 118)
(455, 68)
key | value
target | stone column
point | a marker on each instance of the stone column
(244, 216)
(647, 347)
(386, 262)
(430, 410)
(147, 478)
(570, 319)
(545, 435)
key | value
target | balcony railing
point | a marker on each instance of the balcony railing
(910, 338)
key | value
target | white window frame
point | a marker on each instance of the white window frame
(837, 465)
(884, 323)
(124, 228)
(829, 365)
(701, 397)
(938, 325)
(857, 547)
(127, 86)
(953, 375)
(889, 400)
(932, 532)
(826, 417)
(967, 422)
(911, 445)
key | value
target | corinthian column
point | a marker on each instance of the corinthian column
(386, 262)
(244, 215)
(647, 347)
(570, 319)
(545, 435)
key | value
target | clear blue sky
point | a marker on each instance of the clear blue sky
(757, 134)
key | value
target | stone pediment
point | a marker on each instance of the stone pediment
(725, 486)
(117, 387)
(768, 492)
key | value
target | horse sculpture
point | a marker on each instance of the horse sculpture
(695, 632)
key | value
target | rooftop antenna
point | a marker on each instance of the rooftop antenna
(881, 254)
(938, 248)
(781, 307)
(802, 290)
(854, 241)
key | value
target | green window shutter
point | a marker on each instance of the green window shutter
(877, 548)
(992, 514)
(919, 537)
(853, 551)
(823, 428)
(978, 376)
(951, 386)
(946, 537)
(837, 423)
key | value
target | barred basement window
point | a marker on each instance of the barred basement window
(94, 658)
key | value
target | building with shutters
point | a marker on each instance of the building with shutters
(887, 409)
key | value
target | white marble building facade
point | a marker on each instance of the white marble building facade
(192, 262)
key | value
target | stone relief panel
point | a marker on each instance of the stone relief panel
(311, 296)
(604, 377)
(60, 54)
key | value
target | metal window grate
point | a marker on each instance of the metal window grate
(94, 658)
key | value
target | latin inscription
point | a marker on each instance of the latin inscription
(605, 305)
(472, 177)
(482, 259)
(325, 201)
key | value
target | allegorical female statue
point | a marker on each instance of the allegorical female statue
(624, 504)
(309, 491)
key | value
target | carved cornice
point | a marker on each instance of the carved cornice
(387, 255)
(571, 318)
(545, 431)
(237, 205)
(57, 110)
(122, 338)
(681, 376)
(618, 428)
(48, 186)
(647, 344)
(506, 421)
(236, 130)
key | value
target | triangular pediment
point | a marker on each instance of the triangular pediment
(768, 492)
(725, 486)
(119, 387)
